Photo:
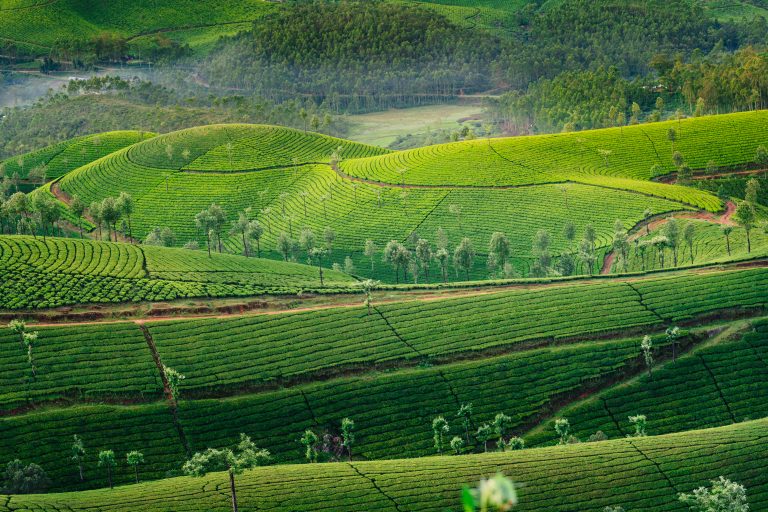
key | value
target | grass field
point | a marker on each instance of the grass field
(639, 474)
(55, 272)
(383, 128)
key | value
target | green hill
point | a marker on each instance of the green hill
(59, 159)
(638, 474)
(516, 185)
(37, 26)
(632, 152)
(55, 272)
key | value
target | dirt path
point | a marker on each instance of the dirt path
(64, 198)
(406, 297)
(642, 228)
(672, 177)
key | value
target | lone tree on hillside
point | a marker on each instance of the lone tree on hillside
(134, 458)
(440, 429)
(107, 461)
(316, 255)
(174, 379)
(78, 454)
(647, 348)
(348, 435)
(368, 286)
(464, 256)
(639, 422)
(673, 334)
(745, 217)
(563, 430)
(727, 230)
(498, 250)
(234, 462)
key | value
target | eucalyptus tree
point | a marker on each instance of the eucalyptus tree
(424, 255)
(77, 207)
(107, 461)
(134, 458)
(234, 462)
(745, 217)
(316, 255)
(441, 256)
(78, 454)
(498, 249)
(465, 413)
(254, 232)
(370, 251)
(348, 435)
(464, 256)
(440, 429)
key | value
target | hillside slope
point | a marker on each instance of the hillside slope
(54, 272)
(468, 189)
(59, 159)
(638, 474)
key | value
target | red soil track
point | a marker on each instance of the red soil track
(641, 229)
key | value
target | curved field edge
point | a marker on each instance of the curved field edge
(636, 473)
(58, 271)
(63, 157)
(625, 154)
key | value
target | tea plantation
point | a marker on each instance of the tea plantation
(644, 474)
(55, 272)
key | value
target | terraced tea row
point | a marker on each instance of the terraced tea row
(55, 272)
(628, 152)
(313, 196)
(234, 147)
(260, 351)
(715, 385)
(638, 474)
(59, 159)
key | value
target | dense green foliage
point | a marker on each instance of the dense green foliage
(645, 473)
(103, 31)
(355, 56)
(103, 104)
(38, 274)
(87, 363)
